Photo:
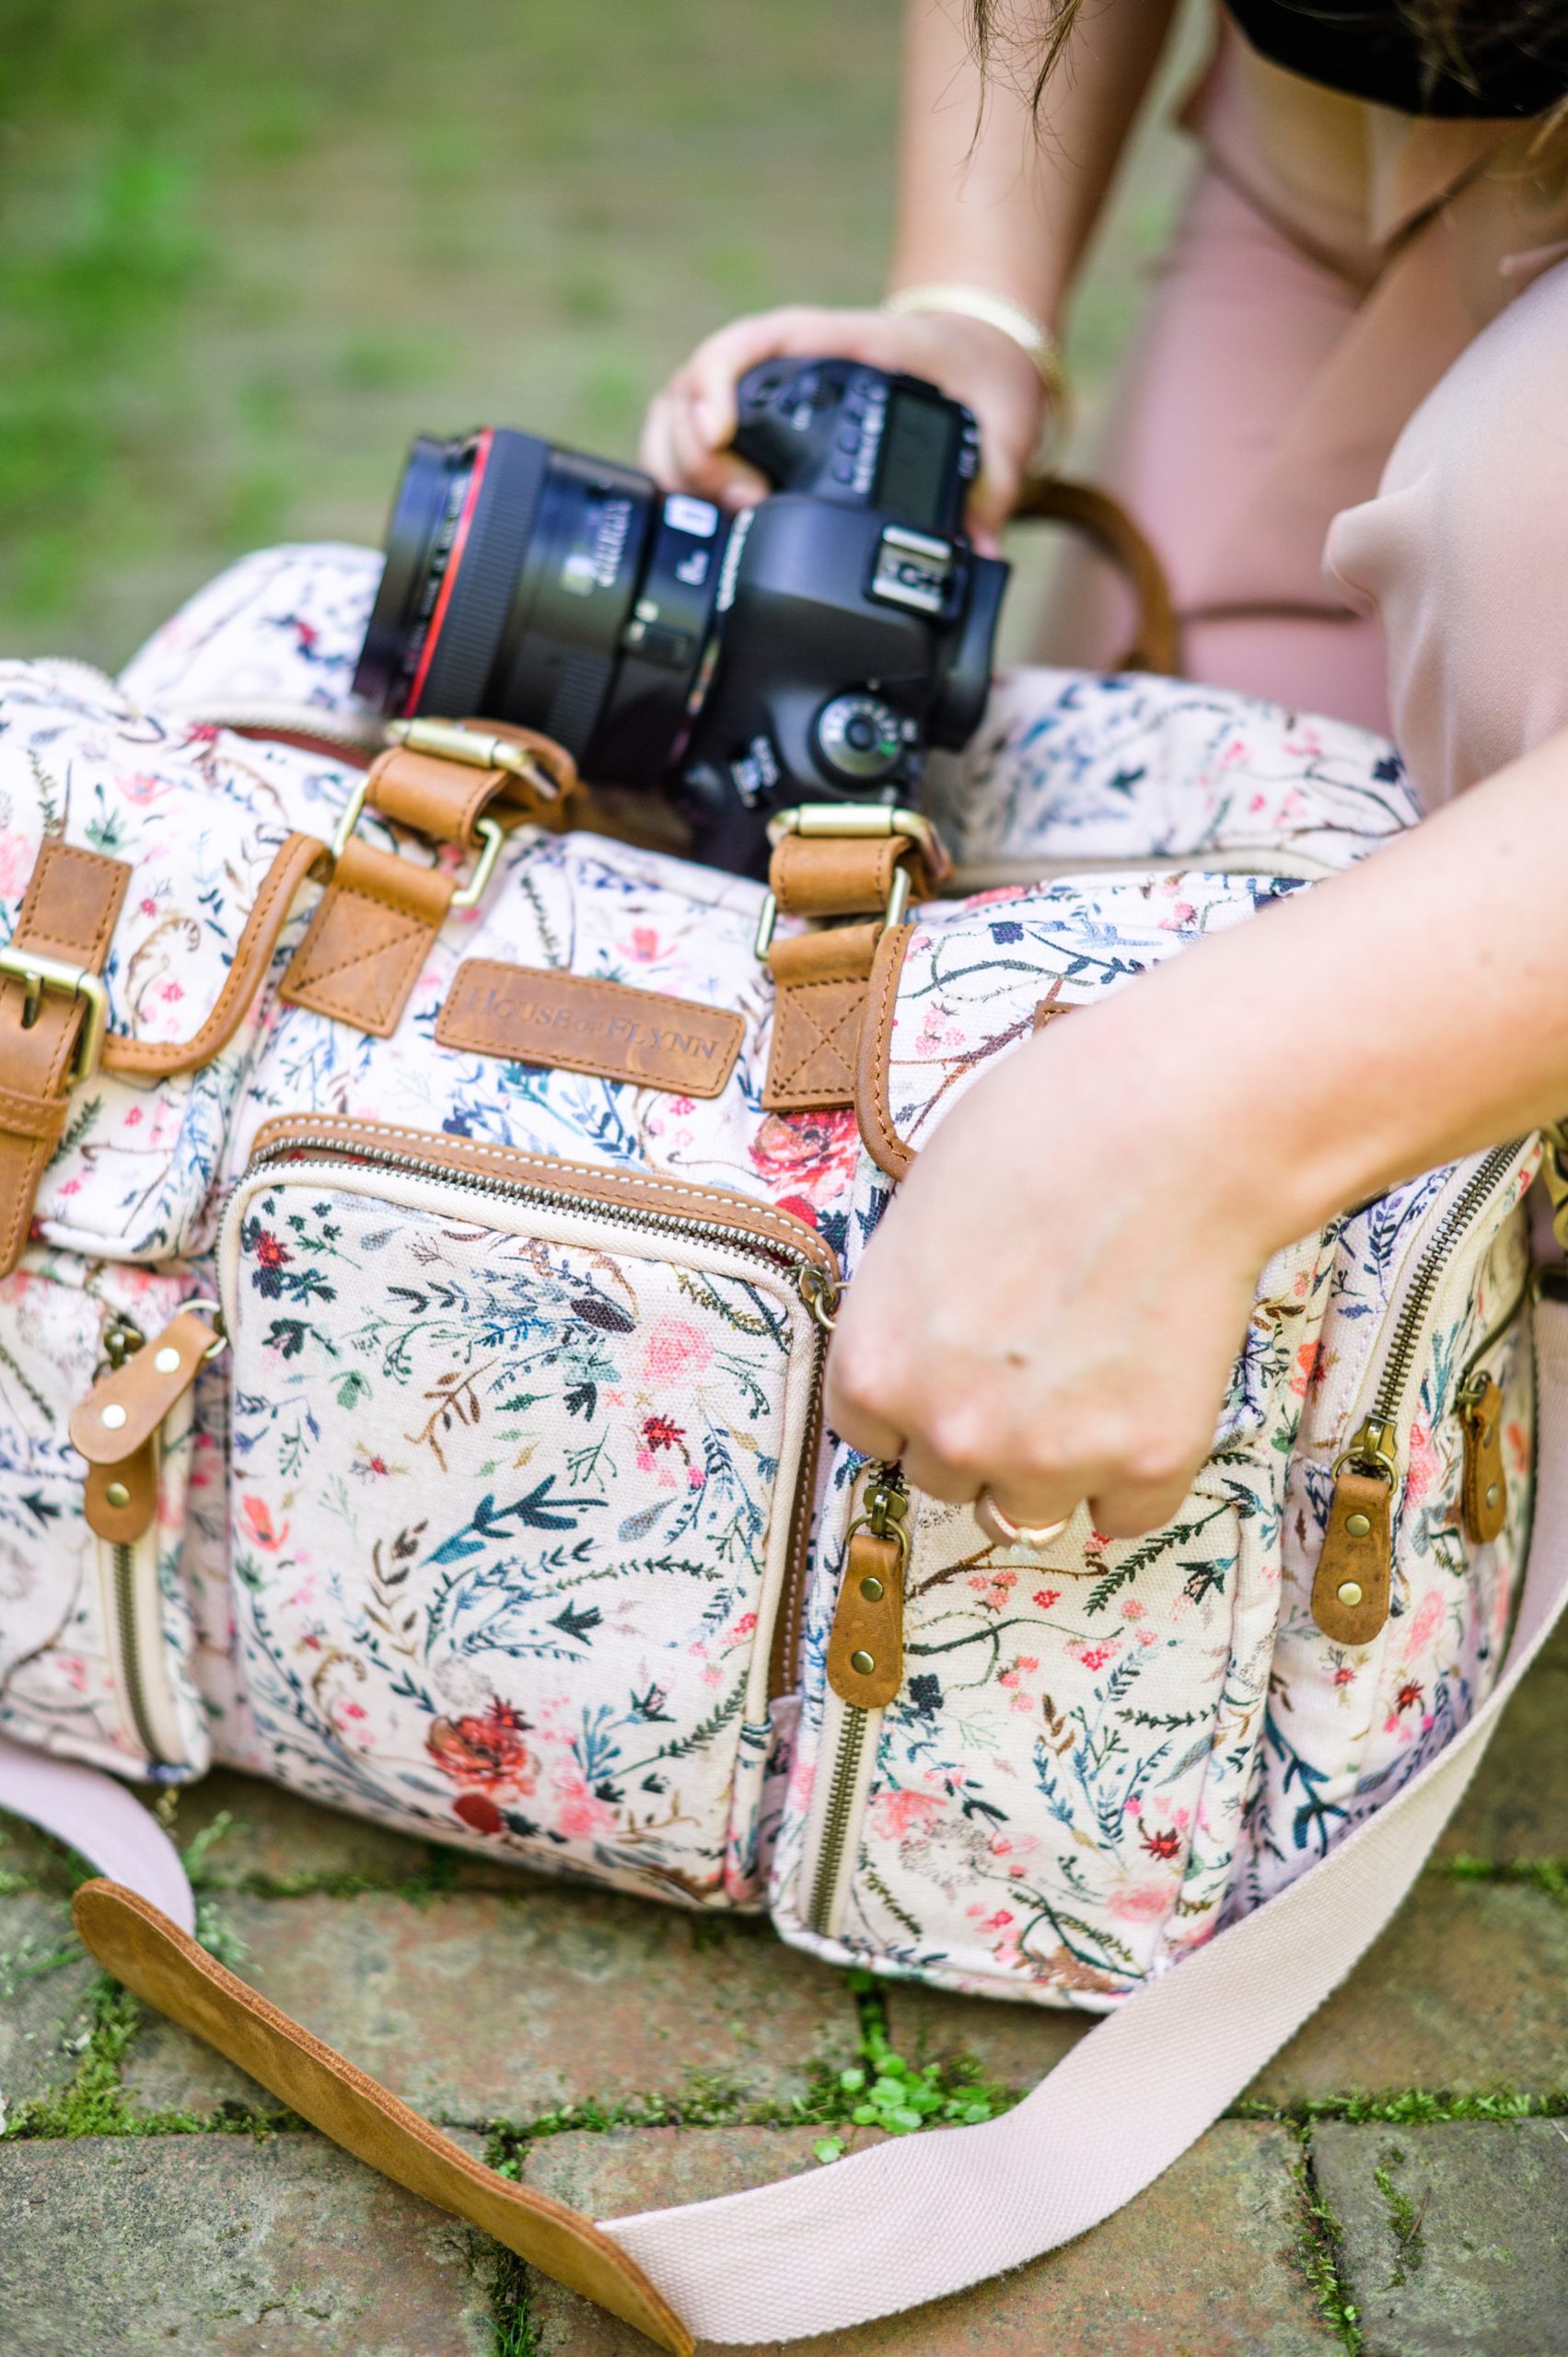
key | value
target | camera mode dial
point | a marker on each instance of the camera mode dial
(860, 739)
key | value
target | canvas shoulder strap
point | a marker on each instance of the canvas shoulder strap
(911, 2220)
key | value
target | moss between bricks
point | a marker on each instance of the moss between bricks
(882, 2091)
(1548, 1876)
(1404, 2219)
(1409, 2107)
(1318, 2250)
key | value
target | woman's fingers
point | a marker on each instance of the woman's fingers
(691, 421)
(1048, 1311)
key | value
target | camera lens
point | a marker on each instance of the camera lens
(528, 584)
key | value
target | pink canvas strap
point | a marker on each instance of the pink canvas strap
(98, 1817)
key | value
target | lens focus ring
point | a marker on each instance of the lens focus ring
(481, 598)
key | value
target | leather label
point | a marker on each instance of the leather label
(534, 1016)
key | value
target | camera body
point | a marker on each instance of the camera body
(811, 648)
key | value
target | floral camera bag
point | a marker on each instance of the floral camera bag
(425, 1213)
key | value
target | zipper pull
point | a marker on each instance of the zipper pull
(1350, 1588)
(1484, 1494)
(820, 1292)
(865, 1646)
(116, 1426)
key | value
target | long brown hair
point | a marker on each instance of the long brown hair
(1456, 36)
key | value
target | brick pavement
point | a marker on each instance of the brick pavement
(1378, 2192)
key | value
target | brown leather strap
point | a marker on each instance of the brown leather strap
(379, 915)
(1051, 499)
(873, 1105)
(156, 1962)
(873, 1089)
(68, 914)
(821, 977)
(297, 856)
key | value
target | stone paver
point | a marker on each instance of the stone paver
(45, 2014)
(1517, 1806)
(222, 2246)
(1205, 2264)
(1465, 1991)
(479, 2008)
(278, 1836)
(1462, 2250)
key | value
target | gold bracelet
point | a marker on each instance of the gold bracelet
(1030, 335)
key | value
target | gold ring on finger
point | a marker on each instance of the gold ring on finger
(1001, 1526)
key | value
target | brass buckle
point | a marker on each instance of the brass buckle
(851, 823)
(450, 740)
(477, 749)
(39, 974)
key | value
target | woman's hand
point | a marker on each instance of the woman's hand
(1052, 1306)
(690, 425)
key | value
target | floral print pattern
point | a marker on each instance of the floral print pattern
(511, 1514)
(487, 1521)
(1100, 1755)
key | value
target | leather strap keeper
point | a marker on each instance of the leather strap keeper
(68, 917)
(821, 978)
(379, 915)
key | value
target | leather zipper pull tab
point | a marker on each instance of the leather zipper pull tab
(866, 1645)
(1484, 1493)
(116, 1426)
(1350, 1589)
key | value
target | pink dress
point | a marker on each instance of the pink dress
(1345, 423)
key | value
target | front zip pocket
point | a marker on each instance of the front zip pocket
(521, 1463)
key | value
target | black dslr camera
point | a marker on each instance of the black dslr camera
(808, 649)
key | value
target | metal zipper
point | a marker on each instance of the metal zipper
(1489, 1339)
(1351, 1585)
(123, 1558)
(121, 1340)
(302, 725)
(817, 1286)
(1373, 1447)
(887, 1505)
(984, 873)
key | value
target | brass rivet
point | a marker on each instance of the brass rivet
(863, 1664)
(1349, 1594)
(167, 1361)
(118, 1494)
(1493, 1493)
(112, 1417)
(1358, 1526)
(871, 1588)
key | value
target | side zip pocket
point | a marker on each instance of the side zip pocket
(118, 1428)
(1351, 1585)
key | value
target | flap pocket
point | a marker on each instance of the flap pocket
(216, 837)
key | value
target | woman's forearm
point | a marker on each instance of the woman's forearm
(988, 194)
(1410, 1011)
(1055, 1299)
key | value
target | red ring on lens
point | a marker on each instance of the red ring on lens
(471, 501)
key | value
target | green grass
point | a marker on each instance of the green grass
(246, 251)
